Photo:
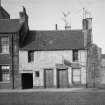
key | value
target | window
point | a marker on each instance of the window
(36, 73)
(30, 56)
(75, 55)
(4, 73)
(76, 76)
(4, 45)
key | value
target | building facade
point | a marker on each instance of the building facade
(46, 59)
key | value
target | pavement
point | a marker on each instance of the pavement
(69, 96)
(53, 90)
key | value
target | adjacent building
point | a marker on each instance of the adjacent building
(12, 32)
(102, 72)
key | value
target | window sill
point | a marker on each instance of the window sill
(4, 53)
(4, 82)
(31, 62)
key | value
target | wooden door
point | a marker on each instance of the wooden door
(48, 80)
(62, 78)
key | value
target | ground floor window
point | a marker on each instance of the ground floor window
(76, 76)
(37, 74)
(4, 73)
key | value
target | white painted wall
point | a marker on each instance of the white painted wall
(48, 59)
(83, 60)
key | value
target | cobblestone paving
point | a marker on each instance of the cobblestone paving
(80, 97)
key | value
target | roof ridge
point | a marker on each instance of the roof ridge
(55, 30)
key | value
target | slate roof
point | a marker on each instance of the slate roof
(10, 25)
(3, 13)
(54, 40)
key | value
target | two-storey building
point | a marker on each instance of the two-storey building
(55, 58)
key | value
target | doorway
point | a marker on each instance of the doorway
(27, 80)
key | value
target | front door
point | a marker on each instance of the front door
(48, 80)
(62, 78)
(27, 80)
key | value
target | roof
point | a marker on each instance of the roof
(3, 13)
(10, 25)
(54, 40)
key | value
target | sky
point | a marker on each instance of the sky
(44, 14)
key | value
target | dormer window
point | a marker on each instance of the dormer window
(75, 55)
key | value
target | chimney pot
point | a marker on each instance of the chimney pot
(67, 27)
(56, 27)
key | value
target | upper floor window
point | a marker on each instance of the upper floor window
(4, 45)
(30, 56)
(4, 73)
(75, 55)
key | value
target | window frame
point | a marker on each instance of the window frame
(4, 45)
(76, 82)
(75, 55)
(3, 74)
(37, 74)
(30, 56)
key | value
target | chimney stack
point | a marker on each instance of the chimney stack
(87, 24)
(87, 31)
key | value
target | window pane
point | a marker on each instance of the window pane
(76, 72)
(75, 55)
(5, 40)
(36, 73)
(76, 75)
(5, 73)
(4, 45)
(76, 78)
(30, 56)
